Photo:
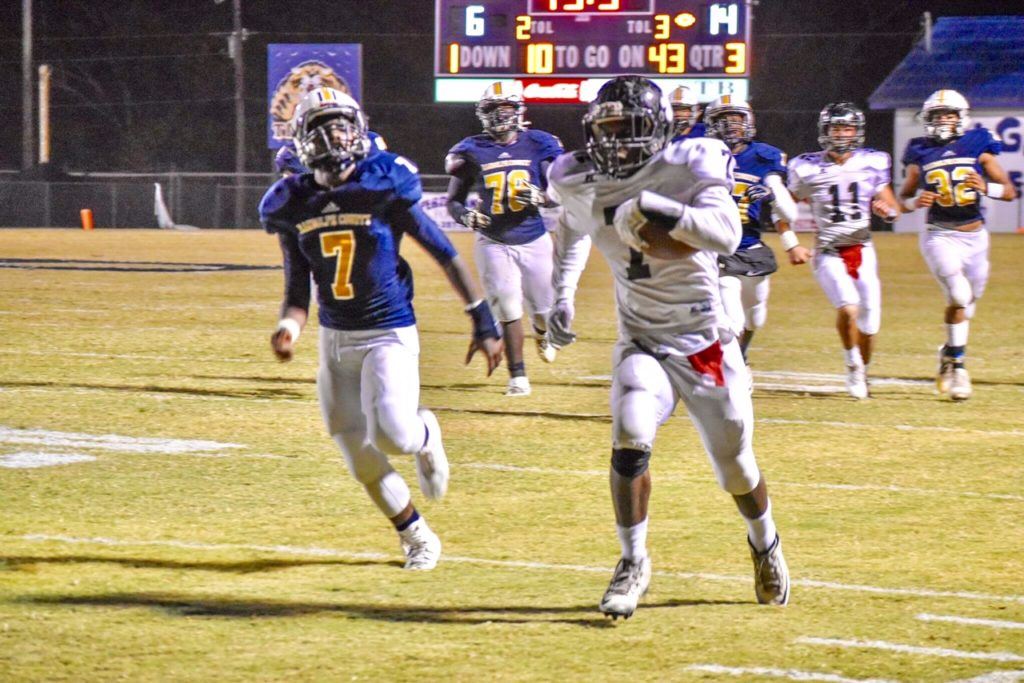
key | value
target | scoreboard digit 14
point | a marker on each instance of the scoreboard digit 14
(561, 51)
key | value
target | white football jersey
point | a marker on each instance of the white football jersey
(840, 194)
(653, 296)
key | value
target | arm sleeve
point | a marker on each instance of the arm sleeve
(415, 222)
(572, 249)
(296, 273)
(458, 193)
(711, 222)
(785, 207)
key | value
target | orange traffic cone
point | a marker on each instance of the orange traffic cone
(87, 223)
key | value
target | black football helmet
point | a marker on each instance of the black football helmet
(840, 114)
(627, 123)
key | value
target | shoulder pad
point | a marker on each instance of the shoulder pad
(767, 152)
(804, 163)
(275, 202)
(549, 143)
(386, 170)
(706, 158)
(982, 140)
(569, 165)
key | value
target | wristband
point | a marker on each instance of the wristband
(291, 325)
(910, 203)
(473, 305)
(483, 321)
(994, 190)
(789, 240)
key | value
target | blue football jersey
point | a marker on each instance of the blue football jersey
(498, 168)
(348, 239)
(944, 167)
(699, 130)
(753, 165)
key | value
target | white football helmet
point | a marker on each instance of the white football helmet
(945, 102)
(501, 108)
(684, 109)
(330, 130)
(732, 133)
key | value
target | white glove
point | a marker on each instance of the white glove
(475, 220)
(528, 194)
(559, 324)
(628, 221)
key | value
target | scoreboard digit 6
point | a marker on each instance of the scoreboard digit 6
(558, 46)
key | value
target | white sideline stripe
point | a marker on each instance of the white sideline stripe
(970, 621)
(329, 552)
(911, 649)
(831, 487)
(110, 442)
(791, 674)
(996, 677)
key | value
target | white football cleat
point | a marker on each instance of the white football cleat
(856, 381)
(629, 583)
(944, 380)
(421, 546)
(431, 462)
(545, 350)
(960, 387)
(518, 386)
(771, 575)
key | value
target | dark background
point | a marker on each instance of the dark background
(147, 85)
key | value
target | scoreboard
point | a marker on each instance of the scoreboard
(563, 50)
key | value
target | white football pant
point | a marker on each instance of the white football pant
(864, 291)
(369, 387)
(745, 301)
(645, 391)
(959, 261)
(512, 272)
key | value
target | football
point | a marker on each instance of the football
(660, 244)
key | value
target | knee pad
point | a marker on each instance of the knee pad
(507, 306)
(869, 320)
(630, 462)
(636, 422)
(958, 290)
(395, 434)
(737, 475)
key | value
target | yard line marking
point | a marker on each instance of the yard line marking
(911, 649)
(832, 487)
(996, 677)
(112, 442)
(969, 621)
(791, 674)
(36, 459)
(514, 564)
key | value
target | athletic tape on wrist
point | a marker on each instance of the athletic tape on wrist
(291, 325)
(789, 240)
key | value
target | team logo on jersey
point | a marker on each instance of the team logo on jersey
(300, 80)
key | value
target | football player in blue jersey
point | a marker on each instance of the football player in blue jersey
(287, 161)
(507, 165)
(342, 224)
(760, 170)
(947, 171)
(685, 112)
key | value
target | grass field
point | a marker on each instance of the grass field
(202, 525)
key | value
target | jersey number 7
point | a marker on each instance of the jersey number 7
(340, 244)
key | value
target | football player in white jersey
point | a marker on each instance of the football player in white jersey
(845, 183)
(660, 215)
(947, 165)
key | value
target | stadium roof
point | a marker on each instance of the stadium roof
(980, 57)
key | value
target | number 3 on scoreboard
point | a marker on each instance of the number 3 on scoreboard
(342, 244)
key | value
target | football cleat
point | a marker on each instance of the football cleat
(421, 546)
(518, 386)
(944, 380)
(629, 583)
(431, 462)
(960, 386)
(545, 350)
(856, 381)
(771, 575)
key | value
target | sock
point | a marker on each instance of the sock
(409, 522)
(853, 359)
(761, 531)
(956, 334)
(517, 369)
(633, 540)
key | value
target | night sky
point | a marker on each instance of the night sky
(148, 86)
